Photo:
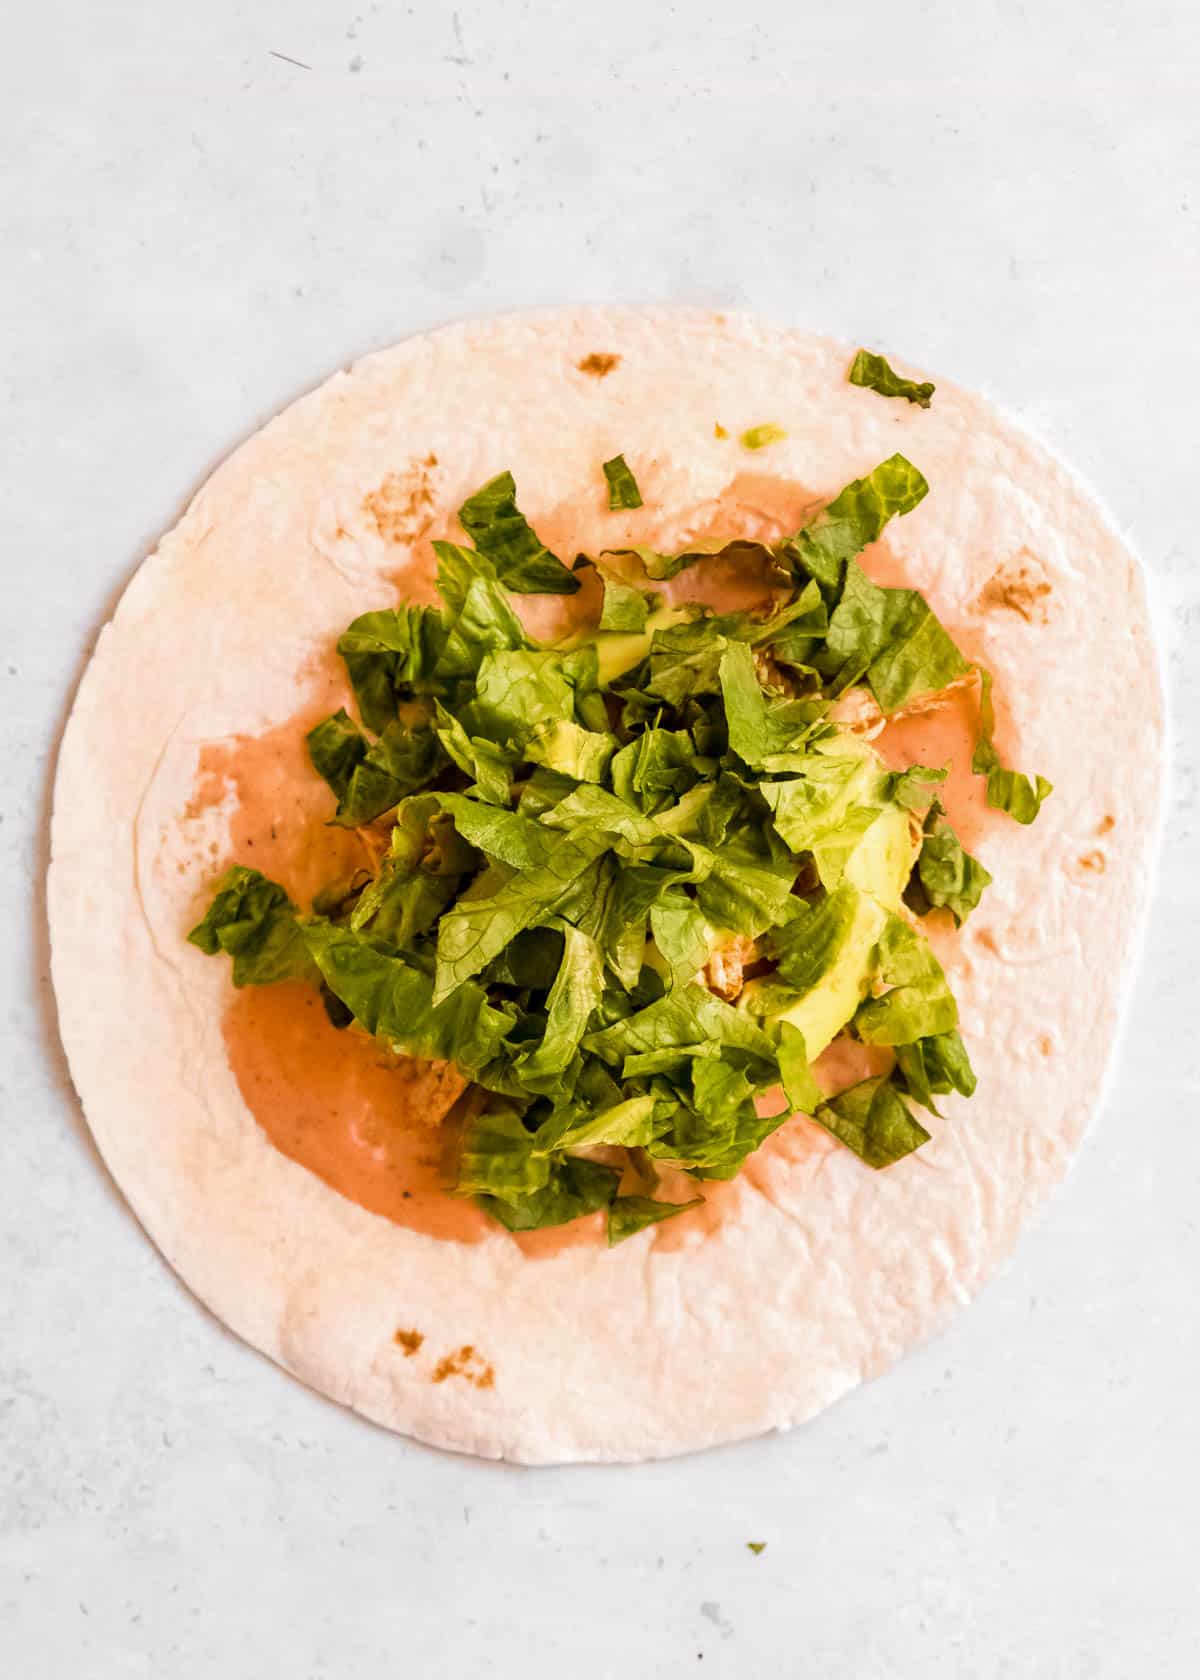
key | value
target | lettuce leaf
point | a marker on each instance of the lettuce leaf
(477, 617)
(934, 1066)
(488, 765)
(572, 998)
(400, 762)
(387, 653)
(478, 928)
(630, 1214)
(516, 690)
(497, 1158)
(655, 769)
(336, 747)
(808, 806)
(713, 1137)
(946, 875)
(853, 520)
(623, 489)
(500, 531)
(625, 609)
(253, 921)
(391, 995)
(745, 897)
(871, 1119)
(919, 1003)
(891, 638)
(626, 1125)
(911, 788)
(572, 750)
(1007, 790)
(806, 947)
(574, 1188)
(660, 567)
(687, 1016)
(799, 1086)
(872, 371)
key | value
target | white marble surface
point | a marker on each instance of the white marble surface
(194, 231)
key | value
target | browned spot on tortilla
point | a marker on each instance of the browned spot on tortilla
(1046, 1044)
(468, 1364)
(1094, 862)
(402, 506)
(598, 363)
(1019, 585)
(1106, 824)
(409, 1340)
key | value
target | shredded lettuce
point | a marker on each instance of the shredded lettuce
(873, 1120)
(946, 875)
(1007, 790)
(623, 489)
(629, 882)
(499, 530)
(252, 920)
(853, 520)
(630, 1214)
(872, 370)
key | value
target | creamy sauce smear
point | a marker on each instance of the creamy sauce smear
(367, 1123)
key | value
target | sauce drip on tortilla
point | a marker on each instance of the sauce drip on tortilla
(368, 1123)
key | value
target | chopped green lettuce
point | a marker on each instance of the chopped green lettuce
(872, 371)
(872, 1119)
(946, 875)
(337, 747)
(633, 881)
(252, 920)
(1007, 790)
(890, 639)
(853, 520)
(625, 608)
(499, 530)
(630, 1214)
(623, 489)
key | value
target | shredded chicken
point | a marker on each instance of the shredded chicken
(724, 970)
(857, 711)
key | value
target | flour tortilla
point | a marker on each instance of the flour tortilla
(827, 1271)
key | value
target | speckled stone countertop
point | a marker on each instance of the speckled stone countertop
(205, 210)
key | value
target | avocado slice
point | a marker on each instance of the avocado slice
(827, 971)
(618, 651)
(827, 957)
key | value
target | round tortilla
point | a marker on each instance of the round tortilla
(825, 1271)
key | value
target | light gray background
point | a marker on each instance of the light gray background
(195, 232)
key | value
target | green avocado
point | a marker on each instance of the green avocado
(618, 651)
(827, 958)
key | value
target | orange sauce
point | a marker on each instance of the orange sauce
(367, 1123)
(281, 822)
(338, 1103)
(940, 737)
